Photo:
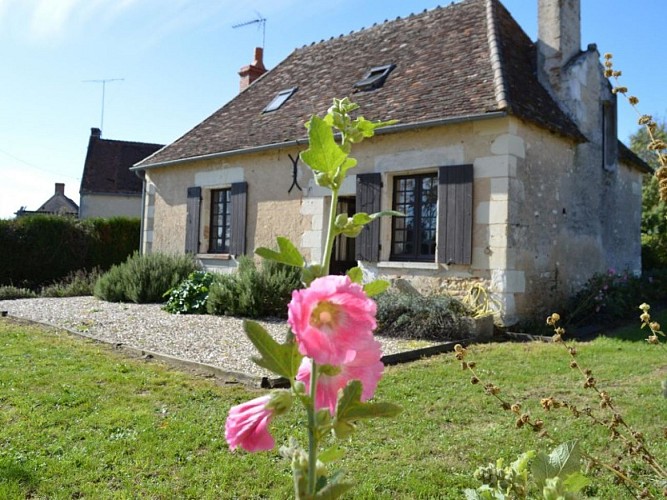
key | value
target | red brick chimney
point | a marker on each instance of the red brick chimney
(253, 71)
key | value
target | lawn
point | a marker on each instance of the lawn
(79, 420)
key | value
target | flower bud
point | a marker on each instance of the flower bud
(280, 402)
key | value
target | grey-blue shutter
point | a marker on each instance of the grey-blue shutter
(455, 185)
(238, 224)
(192, 220)
(369, 191)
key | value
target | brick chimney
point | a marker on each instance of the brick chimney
(60, 188)
(558, 39)
(253, 71)
(96, 133)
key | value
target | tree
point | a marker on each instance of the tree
(654, 211)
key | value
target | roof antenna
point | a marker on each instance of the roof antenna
(260, 21)
(104, 85)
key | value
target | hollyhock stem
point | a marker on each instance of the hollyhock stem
(328, 247)
(312, 438)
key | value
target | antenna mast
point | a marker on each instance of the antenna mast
(260, 21)
(104, 85)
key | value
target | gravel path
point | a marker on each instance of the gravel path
(213, 340)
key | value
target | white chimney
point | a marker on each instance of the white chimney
(558, 39)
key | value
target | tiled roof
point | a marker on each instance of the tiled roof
(59, 204)
(469, 58)
(108, 162)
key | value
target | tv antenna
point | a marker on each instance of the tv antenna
(104, 86)
(261, 23)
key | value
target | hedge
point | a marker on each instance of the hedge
(37, 250)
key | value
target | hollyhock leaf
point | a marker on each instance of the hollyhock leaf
(376, 287)
(386, 213)
(576, 482)
(349, 409)
(373, 410)
(335, 488)
(331, 454)
(356, 275)
(311, 273)
(566, 459)
(361, 218)
(323, 154)
(287, 253)
(281, 359)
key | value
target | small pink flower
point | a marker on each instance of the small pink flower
(365, 367)
(247, 424)
(331, 318)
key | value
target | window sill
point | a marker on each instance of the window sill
(408, 265)
(214, 256)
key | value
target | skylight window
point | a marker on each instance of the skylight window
(279, 100)
(374, 78)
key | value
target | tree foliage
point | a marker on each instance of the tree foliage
(654, 211)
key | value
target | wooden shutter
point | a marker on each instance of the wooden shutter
(455, 214)
(192, 220)
(369, 191)
(239, 209)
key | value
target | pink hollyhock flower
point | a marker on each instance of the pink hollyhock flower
(330, 318)
(247, 423)
(365, 367)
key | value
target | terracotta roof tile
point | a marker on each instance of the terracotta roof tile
(444, 69)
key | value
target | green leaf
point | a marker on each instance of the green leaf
(323, 154)
(564, 460)
(576, 482)
(349, 409)
(310, 273)
(331, 454)
(386, 213)
(336, 487)
(356, 275)
(287, 253)
(281, 359)
(361, 218)
(376, 287)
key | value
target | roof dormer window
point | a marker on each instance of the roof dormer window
(279, 99)
(374, 78)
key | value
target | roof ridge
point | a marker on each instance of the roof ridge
(494, 56)
(375, 25)
(130, 142)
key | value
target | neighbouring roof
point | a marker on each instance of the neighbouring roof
(59, 204)
(108, 162)
(467, 59)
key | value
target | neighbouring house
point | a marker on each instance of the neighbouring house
(108, 186)
(58, 204)
(505, 159)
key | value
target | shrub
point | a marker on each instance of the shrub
(144, 278)
(38, 250)
(609, 297)
(75, 284)
(413, 316)
(254, 293)
(11, 292)
(191, 295)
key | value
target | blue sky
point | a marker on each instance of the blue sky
(178, 61)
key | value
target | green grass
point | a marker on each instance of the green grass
(79, 420)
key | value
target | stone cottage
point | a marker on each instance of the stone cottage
(505, 159)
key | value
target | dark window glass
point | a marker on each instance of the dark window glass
(221, 220)
(413, 236)
(279, 100)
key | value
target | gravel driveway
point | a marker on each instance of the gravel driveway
(213, 340)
